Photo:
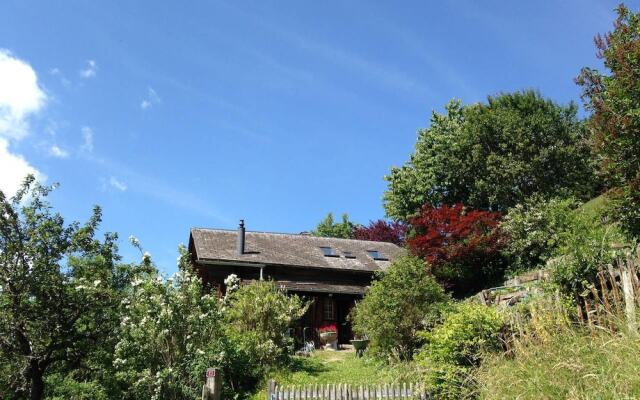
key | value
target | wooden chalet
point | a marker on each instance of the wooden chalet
(333, 273)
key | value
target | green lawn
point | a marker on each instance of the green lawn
(339, 367)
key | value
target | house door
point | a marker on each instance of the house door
(344, 305)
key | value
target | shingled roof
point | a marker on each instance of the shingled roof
(219, 245)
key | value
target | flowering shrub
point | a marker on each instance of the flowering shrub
(328, 328)
(170, 332)
(232, 283)
(534, 229)
(461, 246)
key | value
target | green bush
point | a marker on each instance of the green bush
(456, 347)
(62, 387)
(587, 246)
(257, 317)
(401, 301)
(534, 229)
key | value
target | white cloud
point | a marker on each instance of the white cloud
(57, 73)
(56, 151)
(116, 184)
(20, 95)
(20, 98)
(151, 99)
(90, 70)
(87, 139)
(14, 169)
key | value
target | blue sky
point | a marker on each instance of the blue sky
(179, 114)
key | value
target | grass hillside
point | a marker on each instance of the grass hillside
(595, 206)
(571, 365)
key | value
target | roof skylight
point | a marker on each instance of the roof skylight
(375, 254)
(328, 251)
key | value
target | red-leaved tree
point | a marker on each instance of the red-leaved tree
(382, 231)
(460, 246)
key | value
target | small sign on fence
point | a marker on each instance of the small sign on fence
(212, 388)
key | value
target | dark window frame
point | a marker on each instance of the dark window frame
(329, 309)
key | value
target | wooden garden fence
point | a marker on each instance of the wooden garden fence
(345, 392)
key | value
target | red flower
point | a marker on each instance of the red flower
(328, 328)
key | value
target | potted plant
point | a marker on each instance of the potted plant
(328, 333)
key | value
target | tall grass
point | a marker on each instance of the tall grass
(552, 357)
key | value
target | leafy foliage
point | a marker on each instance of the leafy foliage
(328, 228)
(401, 301)
(59, 292)
(170, 333)
(587, 245)
(614, 101)
(382, 231)
(534, 231)
(493, 156)
(257, 317)
(461, 247)
(454, 348)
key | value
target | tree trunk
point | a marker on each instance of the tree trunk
(36, 377)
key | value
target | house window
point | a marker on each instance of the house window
(328, 251)
(348, 254)
(375, 254)
(328, 309)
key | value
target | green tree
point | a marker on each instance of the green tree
(614, 101)
(402, 301)
(59, 292)
(494, 155)
(328, 228)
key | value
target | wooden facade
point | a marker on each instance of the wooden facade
(333, 280)
(332, 293)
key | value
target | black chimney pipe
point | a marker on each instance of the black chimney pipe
(240, 240)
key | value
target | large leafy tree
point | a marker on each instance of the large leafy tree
(614, 101)
(59, 292)
(382, 231)
(329, 228)
(462, 247)
(493, 155)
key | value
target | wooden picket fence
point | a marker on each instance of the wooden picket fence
(345, 392)
(616, 293)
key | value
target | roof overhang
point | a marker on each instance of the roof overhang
(316, 287)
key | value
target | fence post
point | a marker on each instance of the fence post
(270, 388)
(212, 389)
(629, 298)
